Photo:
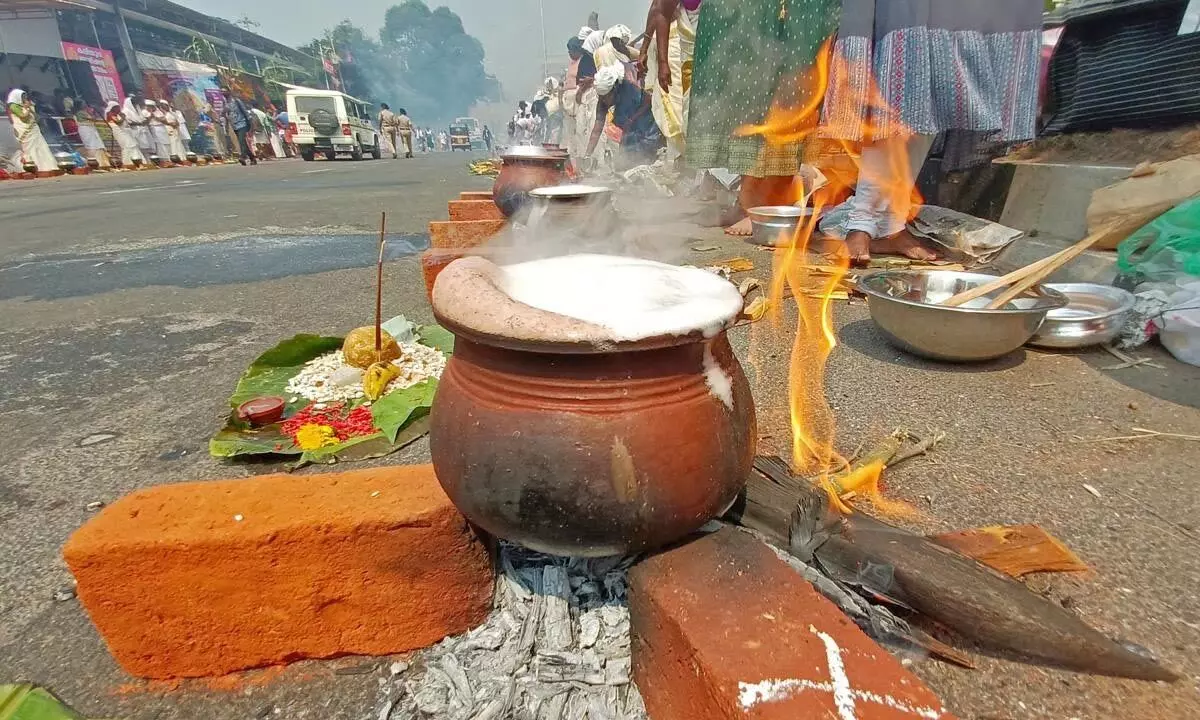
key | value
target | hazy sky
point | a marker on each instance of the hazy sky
(510, 30)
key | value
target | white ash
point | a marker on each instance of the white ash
(329, 378)
(555, 647)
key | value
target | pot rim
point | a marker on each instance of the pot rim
(658, 342)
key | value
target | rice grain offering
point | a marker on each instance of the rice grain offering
(330, 378)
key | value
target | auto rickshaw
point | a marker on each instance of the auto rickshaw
(460, 138)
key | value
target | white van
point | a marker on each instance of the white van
(331, 122)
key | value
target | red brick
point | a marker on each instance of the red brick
(434, 261)
(474, 210)
(204, 579)
(463, 233)
(475, 195)
(721, 618)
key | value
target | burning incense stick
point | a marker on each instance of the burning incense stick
(379, 285)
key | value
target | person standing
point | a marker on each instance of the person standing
(750, 56)
(176, 126)
(157, 121)
(35, 151)
(567, 98)
(387, 128)
(935, 65)
(404, 128)
(668, 59)
(241, 120)
(489, 140)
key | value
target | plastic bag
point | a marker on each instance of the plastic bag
(1165, 249)
(1179, 326)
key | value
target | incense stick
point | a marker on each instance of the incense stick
(379, 285)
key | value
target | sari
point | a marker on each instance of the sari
(749, 57)
(35, 151)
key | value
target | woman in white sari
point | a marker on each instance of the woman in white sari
(172, 121)
(131, 154)
(158, 128)
(35, 152)
(138, 119)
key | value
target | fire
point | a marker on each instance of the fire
(812, 280)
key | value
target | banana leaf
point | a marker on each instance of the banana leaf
(27, 702)
(394, 414)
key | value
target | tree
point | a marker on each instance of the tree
(424, 61)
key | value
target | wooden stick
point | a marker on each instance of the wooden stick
(1004, 281)
(1036, 269)
(1041, 274)
(379, 286)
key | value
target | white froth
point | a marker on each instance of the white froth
(634, 299)
(719, 382)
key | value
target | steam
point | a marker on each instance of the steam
(625, 223)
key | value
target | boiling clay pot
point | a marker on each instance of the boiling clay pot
(547, 433)
(526, 168)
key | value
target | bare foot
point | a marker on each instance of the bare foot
(741, 228)
(905, 244)
(858, 245)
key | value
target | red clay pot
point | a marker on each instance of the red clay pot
(573, 450)
(524, 169)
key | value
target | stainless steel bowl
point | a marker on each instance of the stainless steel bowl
(906, 307)
(776, 225)
(1094, 316)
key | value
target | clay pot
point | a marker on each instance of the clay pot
(524, 169)
(570, 449)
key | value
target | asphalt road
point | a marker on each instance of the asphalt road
(130, 304)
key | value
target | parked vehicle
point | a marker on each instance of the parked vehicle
(460, 138)
(475, 128)
(329, 122)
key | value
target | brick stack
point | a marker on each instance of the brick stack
(474, 219)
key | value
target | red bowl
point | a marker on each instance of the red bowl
(262, 411)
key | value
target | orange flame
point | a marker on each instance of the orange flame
(811, 281)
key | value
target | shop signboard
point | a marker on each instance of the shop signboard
(104, 69)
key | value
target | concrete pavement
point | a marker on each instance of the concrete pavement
(130, 304)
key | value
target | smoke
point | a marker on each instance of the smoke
(624, 221)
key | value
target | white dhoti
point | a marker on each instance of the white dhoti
(93, 145)
(585, 120)
(277, 145)
(175, 143)
(162, 141)
(34, 148)
(130, 152)
(570, 139)
(670, 108)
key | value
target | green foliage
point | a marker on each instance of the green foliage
(423, 61)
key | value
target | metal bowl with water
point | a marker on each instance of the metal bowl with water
(776, 225)
(906, 307)
(1094, 316)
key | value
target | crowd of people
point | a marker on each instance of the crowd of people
(699, 84)
(146, 133)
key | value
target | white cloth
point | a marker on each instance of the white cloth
(584, 32)
(183, 128)
(34, 148)
(126, 140)
(607, 78)
(621, 32)
(593, 41)
(141, 133)
(585, 120)
(15, 96)
(162, 139)
(671, 108)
